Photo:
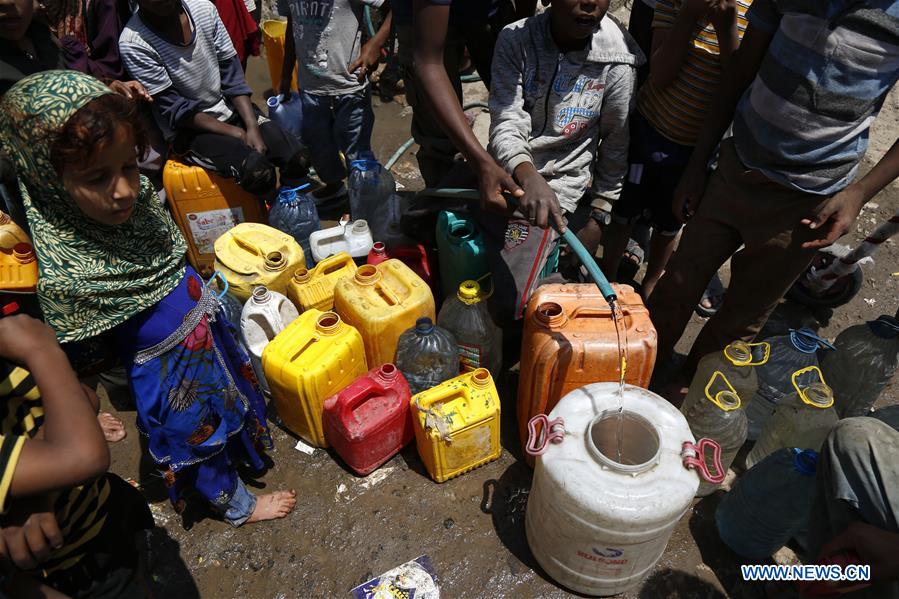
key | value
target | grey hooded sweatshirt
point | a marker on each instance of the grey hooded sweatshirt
(564, 112)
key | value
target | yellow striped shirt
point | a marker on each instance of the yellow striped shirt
(678, 111)
(80, 511)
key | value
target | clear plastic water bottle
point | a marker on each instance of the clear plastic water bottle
(866, 358)
(803, 419)
(479, 340)
(719, 417)
(295, 214)
(769, 504)
(372, 195)
(732, 369)
(287, 115)
(427, 355)
(789, 353)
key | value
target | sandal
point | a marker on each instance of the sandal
(632, 258)
(714, 296)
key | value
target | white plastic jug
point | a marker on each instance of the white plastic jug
(600, 513)
(265, 314)
(353, 238)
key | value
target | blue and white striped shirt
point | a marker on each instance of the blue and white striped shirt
(804, 121)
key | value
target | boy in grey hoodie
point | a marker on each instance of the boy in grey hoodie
(563, 86)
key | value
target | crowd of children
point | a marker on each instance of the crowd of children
(582, 113)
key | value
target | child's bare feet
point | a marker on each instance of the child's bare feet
(113, 428)
(273, 506)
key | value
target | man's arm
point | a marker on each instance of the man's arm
(370, 53)
(842, 209)
(431, 23)
(671, 35)
(290, 60)
(734, 82)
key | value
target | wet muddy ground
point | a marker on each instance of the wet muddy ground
(347, 529)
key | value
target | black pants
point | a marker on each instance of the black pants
(233, 158)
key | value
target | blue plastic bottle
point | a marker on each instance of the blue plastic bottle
(295, 214)
(461, 252)
(372, 195)
(287, 115)
(769, 504)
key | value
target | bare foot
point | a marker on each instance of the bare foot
(113, 428)
(273, 506)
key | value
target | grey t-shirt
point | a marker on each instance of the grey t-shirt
(191, 69)
(328, 37)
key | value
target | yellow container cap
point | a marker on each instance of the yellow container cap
(469, 292)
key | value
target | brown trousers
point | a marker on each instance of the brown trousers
(741, 207)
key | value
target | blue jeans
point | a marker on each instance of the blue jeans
(335, 124)
(241, 505)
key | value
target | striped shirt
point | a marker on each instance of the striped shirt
(80, 511)
(804, 121)
(191, 69)
(679, 110)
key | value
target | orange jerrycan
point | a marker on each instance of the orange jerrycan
(315, 357)
(18, 265)
(382, 302)
(314, 288)
(570, 341)
(205, 206)
(456, 424)
(251, 254)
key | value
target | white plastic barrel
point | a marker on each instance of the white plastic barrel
(353, 238)
(265, 314)
(598, 522)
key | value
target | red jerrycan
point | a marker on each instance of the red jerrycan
(413, 256)
(369, 422)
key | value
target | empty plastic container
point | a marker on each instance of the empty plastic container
(865, 361)
(479, 340)
(788, 354)
(803, 419)
(720, 417)
(314, 288)
(287, 115)
(250, 255)
(369, 422)
(382, 302)
(413, 256)
(457, 425)
(461, 252)
(570, 340)
(372, 195)
(354, 238)
(316, 356)
(427, 355)
(732, 368)
(265, 314)
(769, 504)
(295, 214)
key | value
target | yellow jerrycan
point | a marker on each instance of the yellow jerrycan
(314, 288)
(457, 424)
(315, 357)
(18, 265)
(382, 302)
(251, 254)
(204, 206)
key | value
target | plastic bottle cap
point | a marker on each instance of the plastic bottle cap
(817, 395)
(274, 261)
(273, 102)
(469, 292)
(727, 400)
(301, 275)
(807, 341)
(328, 323)
(424, 326)
(805, 461)
(23, 253)
(261, 294)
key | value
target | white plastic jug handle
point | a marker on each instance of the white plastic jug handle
(694, 459)
(553, 432)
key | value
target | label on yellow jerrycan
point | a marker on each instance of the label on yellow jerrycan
(206, 205)
(315, 288)
(382, 302)
(457, 424)
(18, 265)
(316, 356)
(250, 255)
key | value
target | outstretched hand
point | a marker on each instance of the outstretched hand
(493, 182)
(835, 217)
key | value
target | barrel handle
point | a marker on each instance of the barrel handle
(551, 434)
(694, 459)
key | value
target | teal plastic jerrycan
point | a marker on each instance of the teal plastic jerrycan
(461, 252)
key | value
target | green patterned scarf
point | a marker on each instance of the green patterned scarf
(92, 276)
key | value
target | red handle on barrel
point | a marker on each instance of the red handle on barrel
(550, 434)
(694, 459)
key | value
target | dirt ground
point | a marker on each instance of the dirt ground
(347, 529)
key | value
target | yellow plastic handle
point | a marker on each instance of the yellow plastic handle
(767, 353)
(714, 398)
(801, 391)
